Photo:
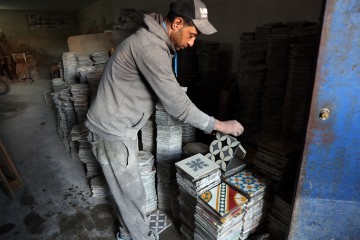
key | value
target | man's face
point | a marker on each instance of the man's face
(184, 37)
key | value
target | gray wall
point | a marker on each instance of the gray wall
(46, 45)
(230, 17)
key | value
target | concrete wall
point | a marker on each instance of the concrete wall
(230, 17)
(47, 46)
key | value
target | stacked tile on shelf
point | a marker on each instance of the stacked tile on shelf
(254, 188)
(147, 173)
(195, 175)
(219, 213)
(168, 151)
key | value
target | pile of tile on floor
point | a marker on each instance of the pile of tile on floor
(254, 188)
(147, 173)
(168, 151)
(92, 167)
(69, 64)
(99, 187)
(195, 175)
(275, 158)
(280, 215)
(79, 96)
(219, 213)
(93, 79)
(100, 59)
(188, 133)
(148, 136)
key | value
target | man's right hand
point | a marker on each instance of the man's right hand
(231, 127)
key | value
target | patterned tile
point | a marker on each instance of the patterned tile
(247, 182)
(222, 149)
(159, 221)
(223, 199)
(197, 166)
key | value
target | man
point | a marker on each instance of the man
(138, 74)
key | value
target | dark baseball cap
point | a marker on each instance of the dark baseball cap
(196, 11)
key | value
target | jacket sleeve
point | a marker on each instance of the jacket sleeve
(155, 65)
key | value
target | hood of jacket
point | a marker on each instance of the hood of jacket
(154, 23)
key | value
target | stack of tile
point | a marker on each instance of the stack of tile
(188, 133)
(83, 61)
(168, 151)
(84, 71)
(61, 120)
(99, 187)
(69, 63)
(302, 62)
(80, 98)
(274, 159)
(61, 69)
(228, 153)
(93, 79)
(100, 59)
(219, 213)
(254, 188)
(92, 167)
(277, 68)
(83, 64)
(67, 107)
(58, 84)
(194, 175)
(251, 77)
(148, 136)
(279, 216)
(209, 61)
(147, 173)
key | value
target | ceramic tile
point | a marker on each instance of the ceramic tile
(159, 221)
(197, 166)
(223, 199)
(247, 182)
(223, 149)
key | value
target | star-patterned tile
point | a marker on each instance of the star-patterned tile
(196, 166)
(159, 221)
(222, 150)
(224, 200)
(247, 183)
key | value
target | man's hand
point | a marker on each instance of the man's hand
(231, 127)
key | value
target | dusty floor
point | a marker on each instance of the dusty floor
(55, 202)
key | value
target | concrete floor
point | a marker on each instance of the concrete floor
(55, 202)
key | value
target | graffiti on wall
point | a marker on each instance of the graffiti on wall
(49, 22)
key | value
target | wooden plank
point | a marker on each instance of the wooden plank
(9, 161)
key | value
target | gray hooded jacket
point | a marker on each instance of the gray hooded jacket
(137, 75)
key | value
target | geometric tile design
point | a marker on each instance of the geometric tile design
(197, 166)
(247, 182)
(223, 199)
(159, 221)
(222, 149)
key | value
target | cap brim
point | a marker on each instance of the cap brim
(204, 26)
